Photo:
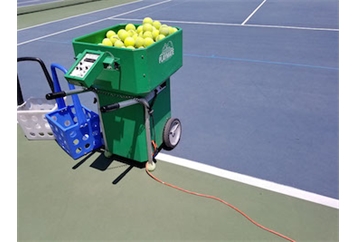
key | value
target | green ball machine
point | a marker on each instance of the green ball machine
(133, 93)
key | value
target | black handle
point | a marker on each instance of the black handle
(54, 95)
(43, 66)
(20, 99)
(110, 107)
(45, 71)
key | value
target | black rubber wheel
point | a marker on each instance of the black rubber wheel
(171, 133)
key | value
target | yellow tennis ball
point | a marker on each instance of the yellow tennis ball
(147, 27)
(148, 41)
(118, 43)
(164, 30)
(132, 33)
(130, 26)
(123, 35)
(120, 31)
(106, 42)
(110, 33)
(129, 41)
(156, 24)
(147, 34)
(139, 29)
(155, 33)
(139, 42)
(147, 20)
(159, 37)
(172, 30)
(113, 38)
(134, 36)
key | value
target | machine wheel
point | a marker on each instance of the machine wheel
(171, 133)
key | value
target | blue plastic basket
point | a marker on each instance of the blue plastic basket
(76, 128)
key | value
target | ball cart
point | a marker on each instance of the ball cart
(132, 89)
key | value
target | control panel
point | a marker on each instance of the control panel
(84, 65)
(89, 65)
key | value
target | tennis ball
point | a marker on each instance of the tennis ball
(113, 38)
(106, 42)
(147, 34)
(147, 27)
(130, 47)
(172, 29)
(156, 24)
(147, 42)
(155, 33)
(147, 20)
(134, 36)
(118, 43)
(132, 33)
(120, 31)
(139, 29)
(159, 37)
(123, 35)
(110, 33)
(164, 30)
(129, 41)
(139, 42)
(130, 26)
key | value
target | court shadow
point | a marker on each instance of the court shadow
(122, 175)
(102, 163)
(82, 161)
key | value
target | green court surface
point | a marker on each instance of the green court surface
(32, 15)
(61, 199)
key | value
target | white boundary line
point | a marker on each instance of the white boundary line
(290, 27)
(231, 24)
(271, 186)
(243, 23)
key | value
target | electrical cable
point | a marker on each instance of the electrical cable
(220, 200)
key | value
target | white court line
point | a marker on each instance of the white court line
(271, 186)
(243, 23)
(290, 27)
(230, 24)
(90, 23)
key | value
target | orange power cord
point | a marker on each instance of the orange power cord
(220, 200)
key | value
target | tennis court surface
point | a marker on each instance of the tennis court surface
(257, 96)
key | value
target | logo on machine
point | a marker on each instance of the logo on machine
(167, 52)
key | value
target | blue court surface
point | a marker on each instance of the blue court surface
(258, 93)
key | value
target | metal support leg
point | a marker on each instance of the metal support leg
(151, 165)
